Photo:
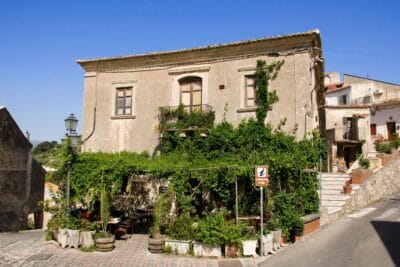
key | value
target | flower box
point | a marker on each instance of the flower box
(178, 246)
(358, 176)
(249, 247)
(205, 250)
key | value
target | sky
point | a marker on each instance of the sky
(40, 42)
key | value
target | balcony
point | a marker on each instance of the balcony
(189, 118)
(346, 134)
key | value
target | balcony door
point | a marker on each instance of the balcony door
(190, 92)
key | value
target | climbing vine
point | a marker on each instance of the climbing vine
(264, 97)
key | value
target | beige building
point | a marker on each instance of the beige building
(122, 95)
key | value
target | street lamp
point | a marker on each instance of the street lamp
(70, 124)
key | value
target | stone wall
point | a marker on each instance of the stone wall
(380, 185)
(21, 177)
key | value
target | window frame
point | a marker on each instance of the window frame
(246, 98)
(191, 80)
(124, 89)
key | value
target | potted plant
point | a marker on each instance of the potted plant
(234, 234)
(88, 231)
(72, 226)
(267, 240)
(104, 240)
(276, 231)
(296, 228)
(180, 234)
(347, 187)
(156, 240)
(358, 176)
(209, 236)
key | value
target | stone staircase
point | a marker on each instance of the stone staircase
(332, 198)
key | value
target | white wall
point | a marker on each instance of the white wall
(382, 116)
(332, 98)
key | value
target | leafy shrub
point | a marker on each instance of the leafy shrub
(364, 162)
(383, 147)
(235, 233)
(181, 228)
(210, 229)
(395, 142)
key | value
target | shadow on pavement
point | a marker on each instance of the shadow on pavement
(389, 233)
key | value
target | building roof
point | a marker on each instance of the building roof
(333, 90)
(369, 79)
(157, 56)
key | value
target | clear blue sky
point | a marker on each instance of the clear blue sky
(40, 41)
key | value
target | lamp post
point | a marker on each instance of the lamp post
(70, 124)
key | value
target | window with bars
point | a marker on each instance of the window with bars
(123, 101)
(250, 91)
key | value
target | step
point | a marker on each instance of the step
(333, 203)
(335, 175)
(341, 197)
(330, 179)
(332, 187)
(332, 210)
(330, 192)
(333, 183)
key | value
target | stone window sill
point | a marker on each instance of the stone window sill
(123, 117)
(249, 109)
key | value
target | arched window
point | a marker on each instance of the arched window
(190, 92)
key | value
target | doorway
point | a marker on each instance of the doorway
(391, 129)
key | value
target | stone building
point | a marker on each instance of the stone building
(21, 178)
(123, 95)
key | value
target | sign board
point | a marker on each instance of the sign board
(262, 175)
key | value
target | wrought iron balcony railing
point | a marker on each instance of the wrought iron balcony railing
(346, 134)
(186, 117)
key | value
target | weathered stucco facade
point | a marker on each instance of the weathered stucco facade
(21, 177)
(153, 81)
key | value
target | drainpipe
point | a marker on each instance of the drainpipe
(94, 110)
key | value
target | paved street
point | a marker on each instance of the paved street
(30, 249)
(370, 237)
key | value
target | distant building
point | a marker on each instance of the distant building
(21, 178)
(357, 112)
(122, 95)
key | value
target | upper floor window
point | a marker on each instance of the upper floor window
(190, 92)
(343, 100)
(250, 91)
(123, 101)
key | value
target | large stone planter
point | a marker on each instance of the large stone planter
(385, 158)
(276, 239)
(156, 244)
(178, 246)
(249, 247)
(73, 238)
(86, 239)
(105, 244)
(204, 250)
(268, 244)
(62, 237)
(358, 176)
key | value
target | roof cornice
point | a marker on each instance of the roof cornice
(271, 45)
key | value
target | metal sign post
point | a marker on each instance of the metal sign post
(261, 181)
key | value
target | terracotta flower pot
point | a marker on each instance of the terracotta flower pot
(358, 176)
(347, 189)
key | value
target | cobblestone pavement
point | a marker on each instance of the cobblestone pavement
(29, 248)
